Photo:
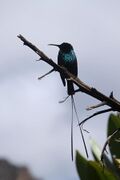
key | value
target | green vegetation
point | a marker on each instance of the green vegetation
(94, 170)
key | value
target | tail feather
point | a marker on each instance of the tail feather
(82, 135)
(70, 88)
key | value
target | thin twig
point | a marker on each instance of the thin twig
(95, 114)
(39, 78)
(96, 106)
(62, 101)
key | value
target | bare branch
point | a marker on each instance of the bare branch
(39, 78)
(111, 102)
(62, 101)
(100, 104)
(95, 114)
(95, 106)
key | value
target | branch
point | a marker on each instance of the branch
(95, 114)
(111, 102)
(95, 106)
(39, 78)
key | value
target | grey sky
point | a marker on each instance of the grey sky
(34, 127)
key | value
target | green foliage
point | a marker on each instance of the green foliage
(91, 170)
(114, 145)
(94, 170)
(96, 152)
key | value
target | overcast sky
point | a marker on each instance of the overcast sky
(34, 127)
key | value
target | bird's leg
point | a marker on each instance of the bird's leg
(39, 78)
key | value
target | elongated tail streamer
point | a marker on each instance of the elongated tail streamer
(74, 107)
(72, 132)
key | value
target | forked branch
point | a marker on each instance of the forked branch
(110, 101)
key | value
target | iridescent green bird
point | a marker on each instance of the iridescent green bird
(67, 59)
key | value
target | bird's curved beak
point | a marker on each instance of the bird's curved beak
(54, 45)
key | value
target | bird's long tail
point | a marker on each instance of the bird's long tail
(70, 87)
(72, 128)
(74, 108)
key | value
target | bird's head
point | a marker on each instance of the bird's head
(64, 47)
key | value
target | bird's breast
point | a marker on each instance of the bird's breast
(69, 57)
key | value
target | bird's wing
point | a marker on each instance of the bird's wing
(74, 68)
(61, 63)
(70, 62)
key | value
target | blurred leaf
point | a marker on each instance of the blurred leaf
(96, 171)
(117, 163)
(96, 152)
(114, 145)
(91, 170)
(81, 165)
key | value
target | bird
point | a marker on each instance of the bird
(67, 59)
